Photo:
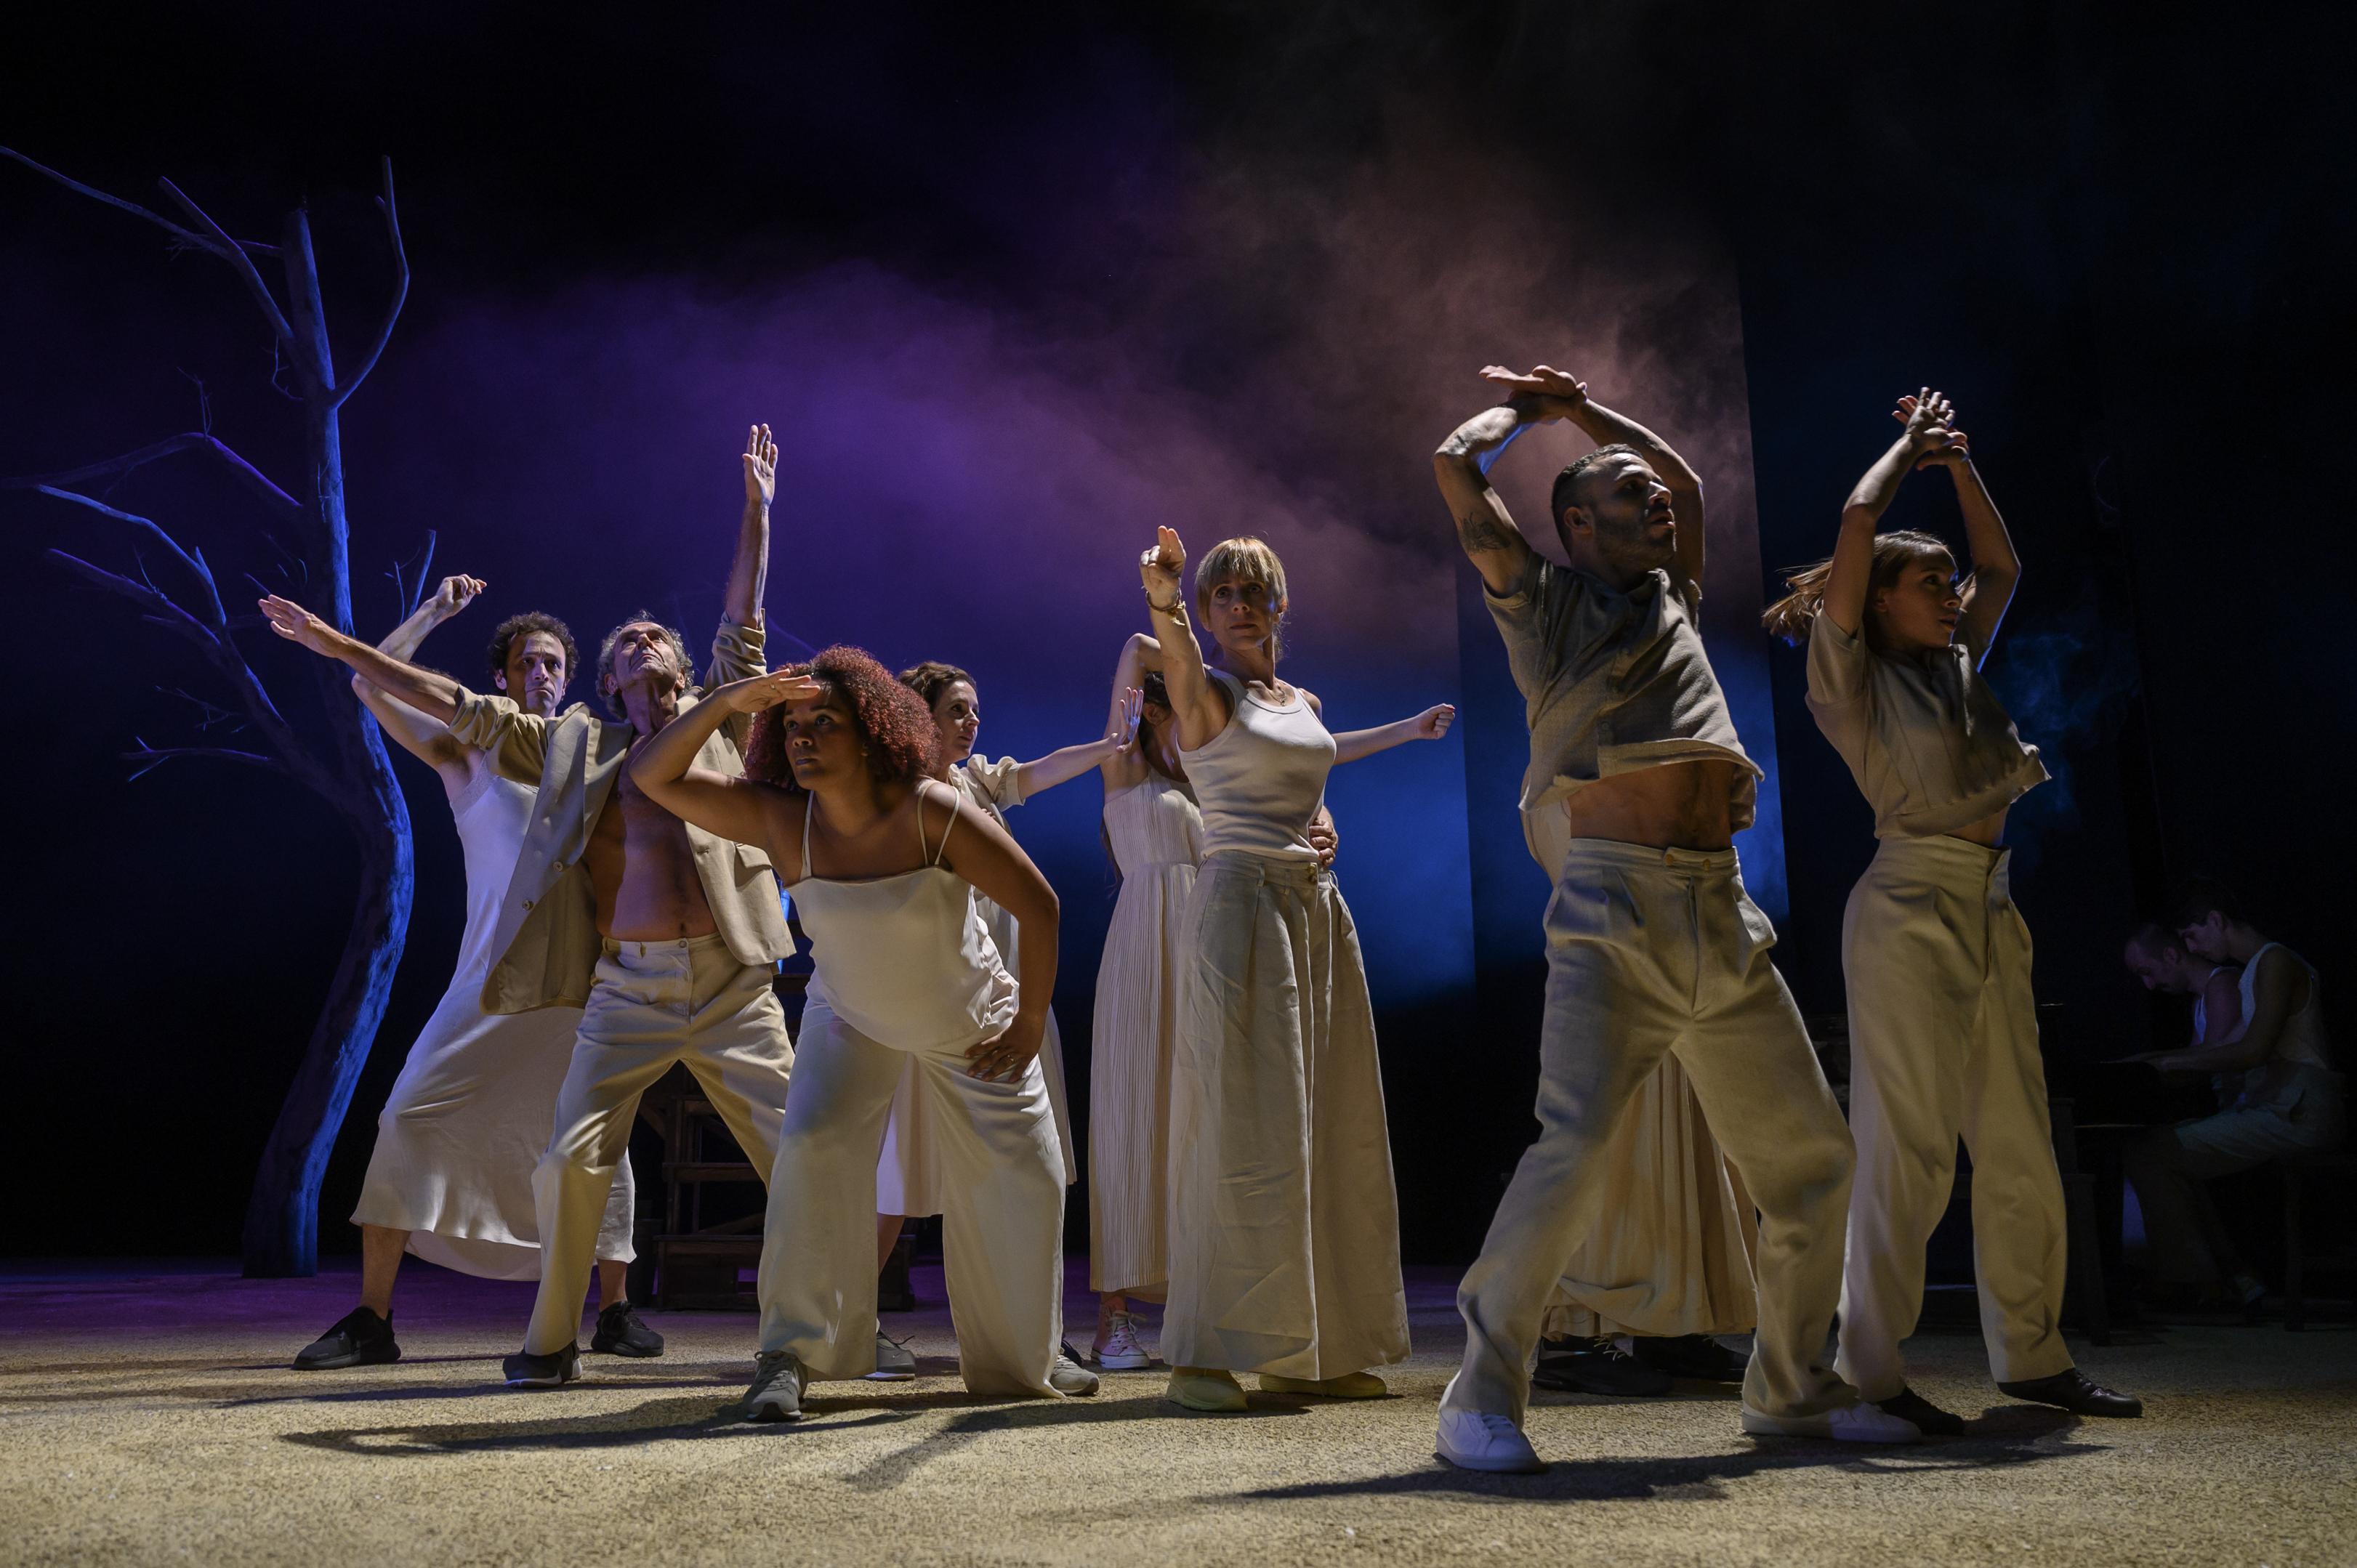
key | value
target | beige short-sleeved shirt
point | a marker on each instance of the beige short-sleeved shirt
(1613, 683)
(993, 786)
(1925, 739)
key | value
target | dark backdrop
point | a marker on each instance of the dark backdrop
(1263, 252)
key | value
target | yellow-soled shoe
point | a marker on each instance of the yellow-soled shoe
(1349, 1386)
(1206, 1388)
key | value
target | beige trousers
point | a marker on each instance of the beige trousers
(654, 1003)
(1671, 1250)
(1002, 1217)
(1651, 951)
(1944, 1044)
(1284, 1223)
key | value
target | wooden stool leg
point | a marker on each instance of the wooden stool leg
(2295, 1264)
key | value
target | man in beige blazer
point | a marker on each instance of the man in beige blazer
(666, 937)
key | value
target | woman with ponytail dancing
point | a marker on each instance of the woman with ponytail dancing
(1943, 1026)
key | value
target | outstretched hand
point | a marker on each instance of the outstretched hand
(1159, 568)
(1433, 723)
(1125, 730)
(457, 593)
(1543, 381)
(755, 692)
(295, 624)
(760, 465)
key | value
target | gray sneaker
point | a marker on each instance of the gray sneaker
(894, 1364)
(1068, 1378)
(779, 1378)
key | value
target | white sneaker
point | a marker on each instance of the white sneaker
(1068, 1378)
(1476, 1440)
(1859, 1422)
(1120, 1351)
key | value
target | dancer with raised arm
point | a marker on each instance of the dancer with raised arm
(1283, 1230)
(887, 868)
(666, 937)
(1653, 945)
(909, 1174)
(1942, 1023)
(450, 1178)
(1153, 832)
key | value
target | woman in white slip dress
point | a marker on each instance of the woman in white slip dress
(1943, 1021)
(887, 866)
(909, 1171)
(450, 1180)
(1284, 1223)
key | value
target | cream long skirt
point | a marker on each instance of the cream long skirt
(1284, 1223)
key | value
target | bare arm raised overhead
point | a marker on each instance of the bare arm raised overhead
(1997, 570)
(748, 573)
(416, 733)
(1484, 527)
(1198, 703)
(1926, 417)
(1566, 395)
(1139, 655)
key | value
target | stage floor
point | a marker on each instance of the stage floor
(147, 1416)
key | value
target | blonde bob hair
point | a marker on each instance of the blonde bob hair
(1246, 559)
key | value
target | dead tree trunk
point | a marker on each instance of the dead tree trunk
(342, 759)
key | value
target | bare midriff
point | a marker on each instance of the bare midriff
(1678, 805)
(1988, 833)
(642, 870)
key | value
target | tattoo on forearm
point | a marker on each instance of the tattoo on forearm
(1480, 532)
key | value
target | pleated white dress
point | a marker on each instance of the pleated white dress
(1158, 842)
(1284, 1223)
(911, 1176)
(471, 1110)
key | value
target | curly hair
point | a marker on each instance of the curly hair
(931, 678)
(1791, 617)
(503, 641)
(896, 728)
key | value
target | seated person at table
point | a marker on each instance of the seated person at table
(2290, 1103)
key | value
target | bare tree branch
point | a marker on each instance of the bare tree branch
(195, 563)
(162, 608)
(195, 440)
(399, 291)
(186, 237)
(151, 758)
(230, 250)
(412, 595)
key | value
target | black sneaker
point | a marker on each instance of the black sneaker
(2075, 1391)
(525, 1370)
(1929, 1418)
(1597, 1367)
(1696, 1356)
(622, 1332)
(360, 1338)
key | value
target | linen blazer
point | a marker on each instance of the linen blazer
(546, 938)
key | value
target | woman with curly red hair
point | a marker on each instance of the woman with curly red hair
(886, 866)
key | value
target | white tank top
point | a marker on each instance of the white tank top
(907, 959)
(493, 815)
(1260, 779)
(2302, 1040)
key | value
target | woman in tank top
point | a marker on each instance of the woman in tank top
(1943, 1022)
(885, 865)
(910, 1172)
(1284, 1224)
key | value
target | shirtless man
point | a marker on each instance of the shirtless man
(450, 1178)
(666, 936)
(1637, 787)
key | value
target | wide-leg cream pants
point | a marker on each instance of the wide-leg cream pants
(1653, 951)
(1002, 1216)
(1284, 1222)
(654, 1003)
(1942, 1043)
